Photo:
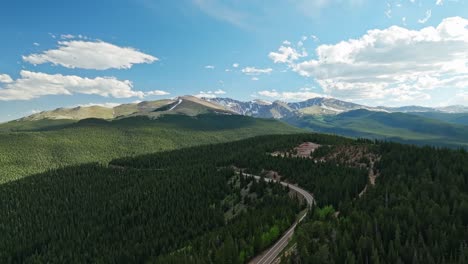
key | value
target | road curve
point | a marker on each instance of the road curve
(270, 254)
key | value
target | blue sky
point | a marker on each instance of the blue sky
(69, 53)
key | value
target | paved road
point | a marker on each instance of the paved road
(270, 254)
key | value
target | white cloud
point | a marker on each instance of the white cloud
(395, 63)
(235, 65)
(227, 70)
(35, 84)
(67, 36)
(97, 55)
(156, 92)
(286, 55)
(256, 71)
(314, 38)
(219, 91)
(5, 78)
(439, 2)
(106, 105)
(290, 96)
(210, 94)
(426, 18)
(272, 93)
(255, 79)
(287, 43)
(36, 44)
(388, 11)
(211, 67)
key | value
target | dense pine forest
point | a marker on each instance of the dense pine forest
(30, 147)
(416, 213)
(194, 205)
(91, 213)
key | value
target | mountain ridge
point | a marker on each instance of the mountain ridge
(191, 105)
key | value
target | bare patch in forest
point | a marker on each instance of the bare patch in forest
(304, 150)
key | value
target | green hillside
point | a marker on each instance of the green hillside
(189, 206)
(454, 118)
(400, 127)
(185, 105)
(180, 206)
(95, 140)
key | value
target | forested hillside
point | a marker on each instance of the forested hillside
(53, 144)
(190, 205)
(416, 213)
(170, 207)
(420, 129)
(90, 213)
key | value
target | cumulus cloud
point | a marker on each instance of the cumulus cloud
(395, 63)
(272, 93)
(209, 67)
(97, 55)
(210, 94)
(235, 65)
(5, 78)
(156, 92)
(255, 79)
(286, 55)
(302, 94)
(256, 71)
(439, 2)
(35, 84)
(106, 105)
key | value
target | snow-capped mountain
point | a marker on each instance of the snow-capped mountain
(280, 109)
(316, 106)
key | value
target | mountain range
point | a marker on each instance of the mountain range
(444, 126)
(192, 106)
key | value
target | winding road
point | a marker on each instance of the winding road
(269, 255)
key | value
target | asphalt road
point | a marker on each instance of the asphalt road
(269, 255)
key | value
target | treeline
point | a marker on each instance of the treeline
(416, 213)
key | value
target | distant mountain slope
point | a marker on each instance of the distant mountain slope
(75, 113)
(400, 127)
(421, 125)
(454, 118)
(97, 140)
(187, 105)
(279, 109)
(318, 106)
